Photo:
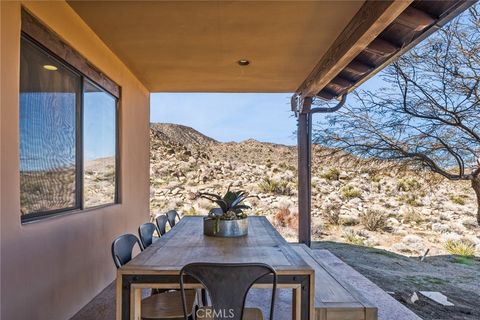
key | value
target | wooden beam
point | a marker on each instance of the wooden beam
(381, 47)
(453, 11)
(45, 37)
(372, 18)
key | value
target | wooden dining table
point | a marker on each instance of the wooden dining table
(159, 265)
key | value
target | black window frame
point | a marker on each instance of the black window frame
(79, 145)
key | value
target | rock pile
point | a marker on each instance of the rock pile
(418, 210)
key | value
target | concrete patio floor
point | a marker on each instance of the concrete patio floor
(102, 307)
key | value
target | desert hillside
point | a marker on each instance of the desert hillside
(368, 203)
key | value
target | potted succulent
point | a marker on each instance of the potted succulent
(228, 220)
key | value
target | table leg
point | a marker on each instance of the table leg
(118, 299)
(307, 298)
(296, 303)
(135, 303)
(303, 306)
(125, 300)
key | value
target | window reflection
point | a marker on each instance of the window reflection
(48, 102)
(99, 141)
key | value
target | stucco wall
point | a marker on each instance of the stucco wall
(51, 268)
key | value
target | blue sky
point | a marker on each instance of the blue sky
(229, 116)
(232, 116)
(48, 124)
(98, 125)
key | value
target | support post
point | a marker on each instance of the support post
(304, 172)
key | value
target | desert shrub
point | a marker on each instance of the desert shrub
(291, 168)
(275, 187)
(285, 218)
(331, 213)
(412, 215)
(190, 212)
(268, 163)
(286, 166)
(332, 174)
(408, 185)
(388, 205)
(372, 219)
(457, 199)
(411, 199)
(351, 236)
(463, 247)
(348, 221)
(350, 192)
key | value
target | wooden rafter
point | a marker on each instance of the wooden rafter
(372, 18)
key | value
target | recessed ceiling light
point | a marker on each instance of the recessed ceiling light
(50, 67)
(243, 62)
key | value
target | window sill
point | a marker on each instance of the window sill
(54, 215)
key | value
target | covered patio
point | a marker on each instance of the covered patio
(54, 262)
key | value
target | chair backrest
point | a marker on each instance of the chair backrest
(146, 231)
(227, 285)
(122, 248)
(162, 224)
(172, 215)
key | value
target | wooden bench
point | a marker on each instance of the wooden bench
(335, 299)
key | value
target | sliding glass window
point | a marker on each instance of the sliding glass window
(68, 137)
(99, 145)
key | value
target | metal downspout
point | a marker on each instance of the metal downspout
(304, 135)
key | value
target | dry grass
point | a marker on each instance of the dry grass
(412, 216)
(462, 248)
(411, 199)
(285, 218)
(458, 199)
(275, 187)
(351, 236)
(373, 220)
(331, 213)
(332, 174)
(409, 184)
(350, 192)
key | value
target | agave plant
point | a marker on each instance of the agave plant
(230, 205)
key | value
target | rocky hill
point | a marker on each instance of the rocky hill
(369, 203)
(176, 134)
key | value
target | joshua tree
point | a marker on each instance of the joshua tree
(425, 107)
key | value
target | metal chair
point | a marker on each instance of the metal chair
(122, 248)
(146, 231)
(172, 216)
(162, 224)
(227, 286)
(162, 306)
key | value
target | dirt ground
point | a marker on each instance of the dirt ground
(456, 278)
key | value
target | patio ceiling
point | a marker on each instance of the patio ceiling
(194, 46)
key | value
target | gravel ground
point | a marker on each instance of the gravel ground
(458, 279)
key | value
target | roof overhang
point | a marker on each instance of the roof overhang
(194, 46)
(314, 48)
(379, 33)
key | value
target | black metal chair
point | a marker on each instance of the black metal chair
(227, 286)
(162, 306)
(162, 224)
(172, 215)
(122, 248)
(146, 231)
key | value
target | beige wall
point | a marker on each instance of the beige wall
(51, 268)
